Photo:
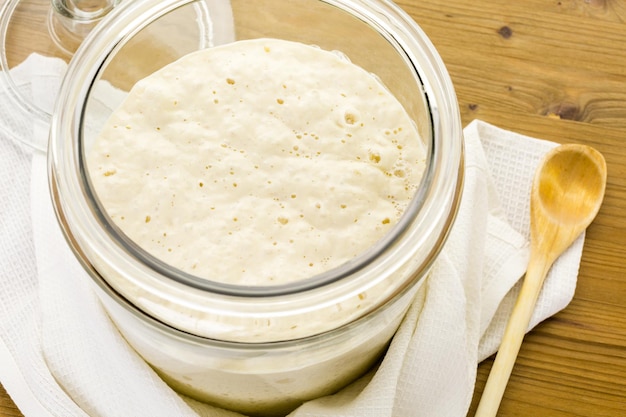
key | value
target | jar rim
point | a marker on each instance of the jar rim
(433, 206)
(324, 278)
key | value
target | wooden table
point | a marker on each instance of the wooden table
(555, 70)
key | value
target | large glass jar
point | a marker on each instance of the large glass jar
(258, 350)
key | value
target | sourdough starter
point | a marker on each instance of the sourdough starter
(257, 163)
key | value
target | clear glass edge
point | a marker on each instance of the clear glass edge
(451, 130)
(8, 85)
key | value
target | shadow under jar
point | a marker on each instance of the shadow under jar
(183, 325)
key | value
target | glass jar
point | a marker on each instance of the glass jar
(257, 350)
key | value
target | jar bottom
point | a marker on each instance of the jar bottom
(263, 380)
(278, 398)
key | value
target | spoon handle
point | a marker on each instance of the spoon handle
(513, 336)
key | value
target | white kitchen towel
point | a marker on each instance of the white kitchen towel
(61, 356)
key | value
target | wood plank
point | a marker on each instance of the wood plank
(554, 70)
(7, 408)
(572, 69)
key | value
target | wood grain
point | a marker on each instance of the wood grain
(7, 408)
(554, 70)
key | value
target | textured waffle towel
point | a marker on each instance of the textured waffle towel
(61, 356)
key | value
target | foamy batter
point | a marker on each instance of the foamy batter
(259, 162)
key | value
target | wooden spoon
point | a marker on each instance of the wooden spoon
(566, 195)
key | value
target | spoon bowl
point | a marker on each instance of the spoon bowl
(569, 187)
(567, 192)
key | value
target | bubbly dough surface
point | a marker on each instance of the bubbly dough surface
(259, 162)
